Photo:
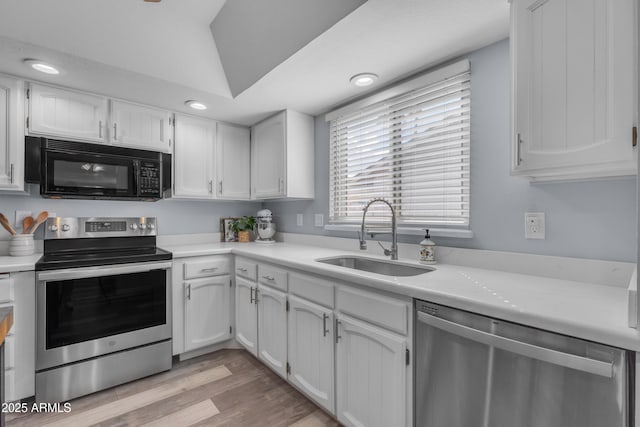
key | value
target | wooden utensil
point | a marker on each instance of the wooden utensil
(7, 225)
(42, 217)
(27, 222)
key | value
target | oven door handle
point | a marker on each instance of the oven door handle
(106, 270)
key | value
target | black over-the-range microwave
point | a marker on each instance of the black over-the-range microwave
(67, 169)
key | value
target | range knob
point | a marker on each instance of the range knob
(151, 226)
(142, 226)
(66, 227)
(133, 226)
(53, 227)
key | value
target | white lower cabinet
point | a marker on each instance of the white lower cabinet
(344, 347)
(19, 290)
(272, 328)
(370, 375)
(207, 310)
(201, 294)
(311, 351)
(246, 315)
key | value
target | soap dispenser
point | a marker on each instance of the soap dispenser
(427, 250)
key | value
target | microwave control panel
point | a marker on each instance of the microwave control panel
(149, 179)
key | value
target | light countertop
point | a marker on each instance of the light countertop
(585, 310)
(581, 309)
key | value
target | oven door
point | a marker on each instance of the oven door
(88, 312)
(81, 174)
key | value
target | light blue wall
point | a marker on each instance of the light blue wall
(174, 216)
(593, 219)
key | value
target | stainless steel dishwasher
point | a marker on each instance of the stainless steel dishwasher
(474, 371)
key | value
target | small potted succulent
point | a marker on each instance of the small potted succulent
(243, 227)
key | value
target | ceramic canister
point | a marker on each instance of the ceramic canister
(21, 244)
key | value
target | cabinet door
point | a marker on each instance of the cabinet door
(193, 158)
(246, 315)
(11, 134)
(136, 126)
(233, 162)
(272, 329)
(67, 114)
(24, 332)
(268, 157)
(207, 317)
(370, 375)
(574, 67)
(310, 348)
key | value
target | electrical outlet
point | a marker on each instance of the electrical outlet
(20, 215)
(299, 220)
(318, 220)
(534, 227)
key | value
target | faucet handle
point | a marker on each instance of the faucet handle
(387, 252)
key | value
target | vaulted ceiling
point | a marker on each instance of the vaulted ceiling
(226, 55)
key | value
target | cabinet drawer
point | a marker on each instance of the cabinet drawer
(206, 267)
(312, 288)
(272, 276)
(9, 351)
(373, 308)
(246, 269)
(6, 288)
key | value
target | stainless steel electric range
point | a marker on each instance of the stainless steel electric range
(103, 306)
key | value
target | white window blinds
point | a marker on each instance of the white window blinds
(411, 149)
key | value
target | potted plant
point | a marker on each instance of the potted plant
(244, 226)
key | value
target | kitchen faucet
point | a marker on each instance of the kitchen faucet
(394, 232)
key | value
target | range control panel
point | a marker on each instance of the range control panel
(85, 227)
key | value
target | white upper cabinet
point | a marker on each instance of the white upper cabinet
(574, 76)
(66, 114)
(137, 126)
(11, 134)
(282, 157)
(233, 158)
(193, 171)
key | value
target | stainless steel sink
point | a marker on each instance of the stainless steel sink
(379, 266)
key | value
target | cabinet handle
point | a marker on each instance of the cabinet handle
(251, 296)
(281, 185)
(244, 270)
(100, 129)
(338, 331)
(210, 186)
(325, 331)
(518, 143)
(189, 291)
(209, 269)
(11, 173)
(269, 277)
(220, 185)
(255, 299)
(115, 131)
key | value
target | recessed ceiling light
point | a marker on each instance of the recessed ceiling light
(363, 79)
(196, 105)
(42, 66)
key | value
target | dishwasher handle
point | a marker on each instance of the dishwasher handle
(585, 364)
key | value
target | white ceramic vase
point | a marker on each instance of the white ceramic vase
(21, 245)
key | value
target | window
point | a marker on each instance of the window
(411, 149)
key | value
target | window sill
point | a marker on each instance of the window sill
(412, 231)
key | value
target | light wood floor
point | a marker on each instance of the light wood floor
(226, 388)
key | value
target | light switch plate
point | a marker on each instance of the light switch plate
(534, 225)
(318, 220)
(299, 220)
